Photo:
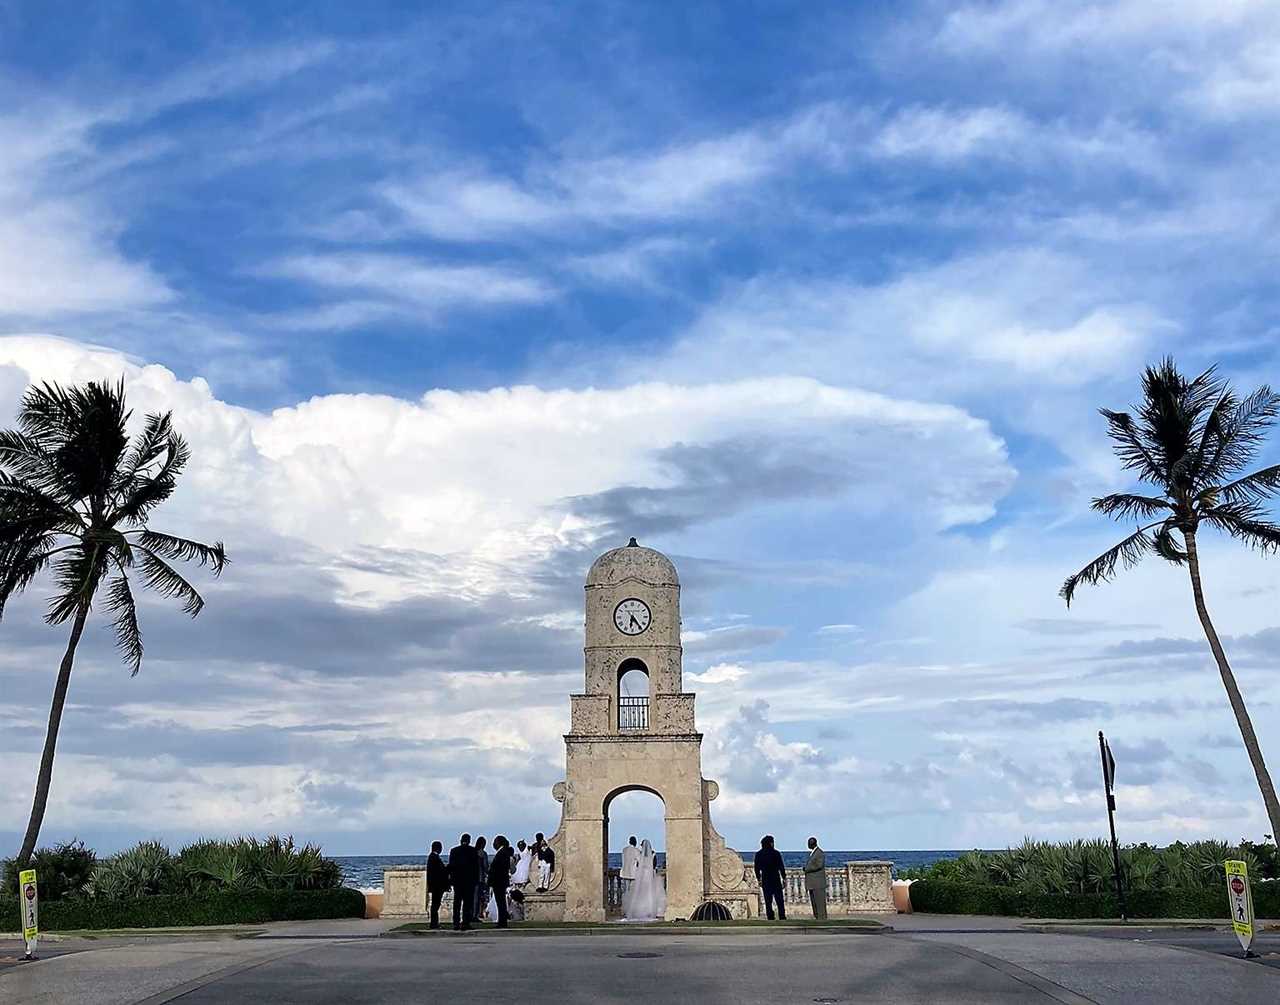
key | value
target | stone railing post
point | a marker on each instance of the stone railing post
(870, 887)
(404, 892)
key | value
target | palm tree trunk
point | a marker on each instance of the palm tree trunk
(1233, 691)
(45, 777)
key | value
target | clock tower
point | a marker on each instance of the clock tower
(620, 742)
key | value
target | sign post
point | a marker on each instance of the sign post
(29, 906)
(1240, 898)
(1108, 784)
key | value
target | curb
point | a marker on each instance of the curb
(622, 930)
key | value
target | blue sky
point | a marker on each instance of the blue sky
(818, 299)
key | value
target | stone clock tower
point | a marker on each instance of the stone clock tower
(618, 743)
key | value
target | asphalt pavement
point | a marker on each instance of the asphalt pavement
(990, 961)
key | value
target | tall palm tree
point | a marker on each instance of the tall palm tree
(75, 496)
(1191, 439)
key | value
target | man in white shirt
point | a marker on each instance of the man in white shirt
(630, 862)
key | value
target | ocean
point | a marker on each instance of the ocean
(365, 871)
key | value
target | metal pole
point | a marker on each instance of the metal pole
(1111, 820)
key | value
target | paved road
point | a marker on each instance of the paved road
(955, 966)
(1223, 942)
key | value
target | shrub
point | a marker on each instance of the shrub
(949, 897)
(207, 866)
(1086, 867)
(227, 907)
(61, 871)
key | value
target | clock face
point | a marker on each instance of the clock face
(631, 616)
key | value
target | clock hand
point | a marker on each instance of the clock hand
(634, 621)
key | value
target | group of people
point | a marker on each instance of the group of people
(494, 887)
(485, 886)
(771, 874)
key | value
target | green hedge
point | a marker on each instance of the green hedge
(944, 897)
(226, 907)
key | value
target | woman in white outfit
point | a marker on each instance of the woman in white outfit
(524, 860)
(646, 898)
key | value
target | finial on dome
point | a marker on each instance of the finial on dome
(633, 543)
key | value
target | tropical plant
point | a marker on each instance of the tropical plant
(75, 497)
(1079, 868)
(1191, 440)
(63, 870)
(212, 866)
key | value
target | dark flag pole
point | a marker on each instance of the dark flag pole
(1108, 783)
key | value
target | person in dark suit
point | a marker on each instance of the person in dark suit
(500, 876)
(437, 881)
(464, 874)
(771, 874)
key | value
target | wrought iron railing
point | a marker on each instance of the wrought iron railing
(633, 713)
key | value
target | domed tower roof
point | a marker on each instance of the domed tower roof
(632, 562)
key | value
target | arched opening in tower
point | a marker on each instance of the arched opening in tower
(631, 812)
(633, 695)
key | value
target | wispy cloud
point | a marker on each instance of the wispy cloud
(396, 285)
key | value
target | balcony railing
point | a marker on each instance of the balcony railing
(633, 713)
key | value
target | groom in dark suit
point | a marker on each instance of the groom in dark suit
(464, 875)
(437, 881)
(500, 876)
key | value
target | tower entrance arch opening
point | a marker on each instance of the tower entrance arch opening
(630, 811)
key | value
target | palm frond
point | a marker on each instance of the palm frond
(1128, 553)
(1246, 522)
(1260, 485)
(1124, 506)
(26, 459)
(147, 491)
(125, 623)
(1166, 546)
(147, 448)
(76, 575)
(1243, 433)
(160, 576)
(21, 564)
(180, 549)
(82, 428)
(1133, 453)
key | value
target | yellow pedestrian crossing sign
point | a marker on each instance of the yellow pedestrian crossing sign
(29, 904)
(1240, 899)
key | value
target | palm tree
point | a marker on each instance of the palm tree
(1191, 439)
(75, 496)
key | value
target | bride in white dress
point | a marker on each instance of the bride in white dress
(524, 859)
(646, 898)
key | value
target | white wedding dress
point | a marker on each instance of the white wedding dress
(646, 898)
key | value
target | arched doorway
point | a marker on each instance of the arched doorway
(631, 810)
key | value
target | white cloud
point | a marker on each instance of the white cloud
(391, 285)
(58, 253)
(685, 179)
(640, 263)
(1212, 56)
(492, 476)
(983, 320)
(720, 673)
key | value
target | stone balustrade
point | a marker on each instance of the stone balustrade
(864, 887)
(853, 888)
